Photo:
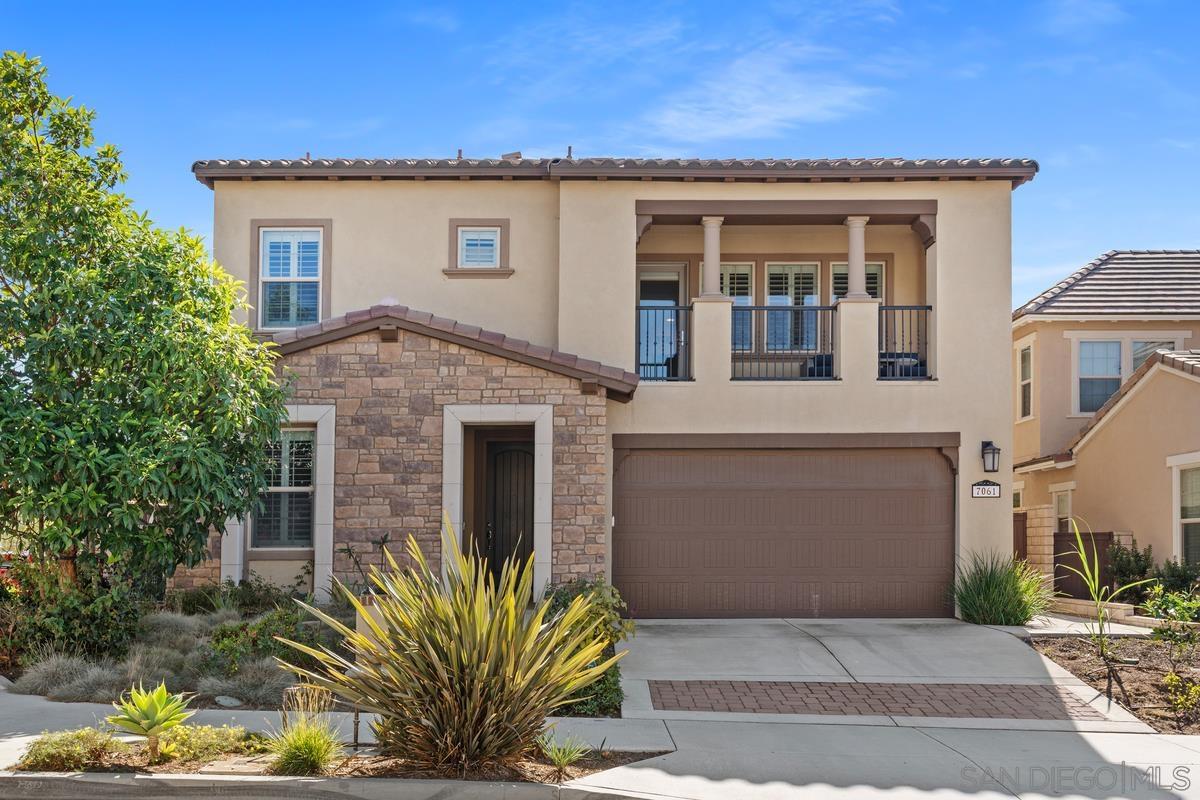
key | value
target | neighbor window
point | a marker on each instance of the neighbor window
(1099, 373)
(478, 248)
(1189, 513)
(792, 285)
(841, 280)
(1026, 382)
(1062, 511)
(1143, 350)
(284, 517)
(290, 277)
(737, 282)
(1018, 497)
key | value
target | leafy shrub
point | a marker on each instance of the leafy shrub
(1184, 697)
(236, 642)
(49, 671)
(1128, 565)
(96, 616)
(259, 682)
(1177, 576)
(171, 629)
(308, 746)
(250, 597)
(603, 698)
(996, 589)
(70, 751)
(461, 673)
(1174, 606)
(187, 743)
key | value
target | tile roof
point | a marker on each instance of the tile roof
(620, 383)
(1185, 361)
(1138, 283)
(1017, 170)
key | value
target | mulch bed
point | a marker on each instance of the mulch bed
(1143, 681)
(531, 770)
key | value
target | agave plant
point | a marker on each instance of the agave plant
(150, 714)
(461, 671)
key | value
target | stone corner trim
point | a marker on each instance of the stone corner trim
(620, 383)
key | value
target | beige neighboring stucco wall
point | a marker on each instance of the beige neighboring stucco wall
(390, 240)
(1123, 482)
(1054, 426)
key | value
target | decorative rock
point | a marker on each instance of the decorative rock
(226, 701)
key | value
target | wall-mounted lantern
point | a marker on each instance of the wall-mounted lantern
(991, 457)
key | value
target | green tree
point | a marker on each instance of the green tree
(135, 411)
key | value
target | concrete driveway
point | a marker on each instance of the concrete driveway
(856, 672)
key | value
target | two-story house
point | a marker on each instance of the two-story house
(1106, 398)
(734, 387)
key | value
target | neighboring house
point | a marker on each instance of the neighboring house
(1107, 404)
(737, 388)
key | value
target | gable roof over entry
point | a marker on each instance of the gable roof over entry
(620, 383)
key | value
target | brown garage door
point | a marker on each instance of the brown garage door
(804, 533)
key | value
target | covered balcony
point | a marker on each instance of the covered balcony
(794, 283)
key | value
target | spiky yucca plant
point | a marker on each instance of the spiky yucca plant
(460, 670)
(150, 714)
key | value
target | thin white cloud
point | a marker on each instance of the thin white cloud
(439, 19)
(1080, 18)
(763, 94)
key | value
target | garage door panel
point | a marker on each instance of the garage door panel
(778, 532)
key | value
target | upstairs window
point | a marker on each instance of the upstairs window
(1026, 378)
(478, 248)
(841, 280)
(1099, 373)
(284, 517)
(290, 277)
(792, 285)
(1189, 513)
(737, 282)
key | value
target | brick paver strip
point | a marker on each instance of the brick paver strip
(994, 701)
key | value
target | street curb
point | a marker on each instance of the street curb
(71, 786)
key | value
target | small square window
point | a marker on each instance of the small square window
(478, 248)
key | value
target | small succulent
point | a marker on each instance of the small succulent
(150, 714)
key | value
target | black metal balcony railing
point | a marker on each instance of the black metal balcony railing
(904, 343)
(664, 341)
(782, 343)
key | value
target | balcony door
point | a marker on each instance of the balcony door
(662, 328)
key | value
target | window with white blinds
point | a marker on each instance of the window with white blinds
(737, 281)
(478, 248)
(289, 277)
(841, 281)
(284, 517)
(792, 285)
(1189, 513)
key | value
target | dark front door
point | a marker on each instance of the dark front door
(508, 505)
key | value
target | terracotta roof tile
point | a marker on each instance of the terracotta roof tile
(1138, 283)
(621, 383)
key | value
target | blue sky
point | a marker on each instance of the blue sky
(1103, 93)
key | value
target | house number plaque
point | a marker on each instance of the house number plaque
(985, 489)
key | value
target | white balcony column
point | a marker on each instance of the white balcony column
(710, 281)
(856, 258)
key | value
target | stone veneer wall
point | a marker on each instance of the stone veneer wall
(206, 573)
(1040, 523)
(388, 445)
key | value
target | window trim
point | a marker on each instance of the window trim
(1177, 464)
(324, 281)
(1126, 338)
(1021, 383)
(503, 268)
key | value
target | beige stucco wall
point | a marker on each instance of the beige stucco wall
(392, 239)
(1054, 426)
(1123, 482)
